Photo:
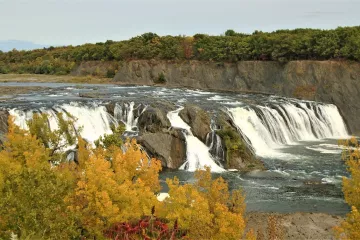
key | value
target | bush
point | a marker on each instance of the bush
(161, 78)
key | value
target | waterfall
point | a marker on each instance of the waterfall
(91, 122)
(213, 141)
(129, 114)
(197, 153)
(271, 127)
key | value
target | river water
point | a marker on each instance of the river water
(297, 140)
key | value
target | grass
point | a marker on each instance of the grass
(53, 78)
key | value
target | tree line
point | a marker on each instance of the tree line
(342, 43)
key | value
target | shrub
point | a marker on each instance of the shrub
(161, 78)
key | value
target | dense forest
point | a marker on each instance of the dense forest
(342, 43)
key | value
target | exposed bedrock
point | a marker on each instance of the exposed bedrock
(158, 139)
(198, 120)
(336, 82)
(169, 147)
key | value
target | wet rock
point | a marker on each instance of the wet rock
(198, 120)
(153, 120)
(110, 107)
(170, 148)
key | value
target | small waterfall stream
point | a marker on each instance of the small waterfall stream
(213, 141)
(197, 153)
(129, 114)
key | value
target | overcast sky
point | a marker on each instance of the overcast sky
(63, 22)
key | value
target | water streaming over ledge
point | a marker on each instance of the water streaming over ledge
(197, 153)
(269, 128)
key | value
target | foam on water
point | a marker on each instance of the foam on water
(218, 98)
(324, 150)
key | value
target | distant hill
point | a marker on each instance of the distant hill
(9, 45)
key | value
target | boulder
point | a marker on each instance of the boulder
(170, 148)
(153, 120)
(198, 120)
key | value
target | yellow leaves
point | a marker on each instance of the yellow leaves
(114, 191)
(134, 164)
(351, 186)
(83, 153)
(105, 187)
(205, 209)
(350, 228)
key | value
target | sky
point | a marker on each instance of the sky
(73, 22)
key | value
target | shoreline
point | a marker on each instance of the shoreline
(298, 225)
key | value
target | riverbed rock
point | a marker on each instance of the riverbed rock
(4, 116)
(198, 119)
(153, 120)
(170, 148)
(110, 108)
(237, 154)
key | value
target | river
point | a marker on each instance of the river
(297, 140)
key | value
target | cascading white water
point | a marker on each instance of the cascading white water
(213, 141)
(125, 113)
(271, 127)
(197, 153)
(91, 122)
(20, 117)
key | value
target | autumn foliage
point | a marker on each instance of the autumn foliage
(350, 228)
(106, 193)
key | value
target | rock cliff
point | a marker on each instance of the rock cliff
(326, 81)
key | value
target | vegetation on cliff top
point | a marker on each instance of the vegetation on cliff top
(281, 45)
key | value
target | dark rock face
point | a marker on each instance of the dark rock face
(237, 153)
(110, 108)
(169, 148)
(198, 120)
(4, 115)
(153, 120)
(326, 81)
